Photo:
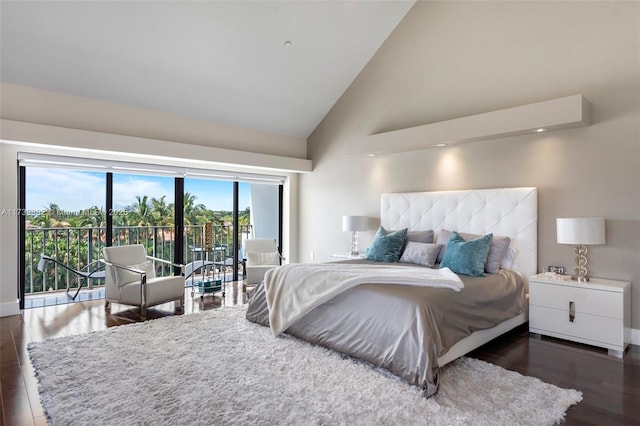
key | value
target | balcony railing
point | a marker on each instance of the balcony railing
(79, 247)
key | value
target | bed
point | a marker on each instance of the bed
(413, 330)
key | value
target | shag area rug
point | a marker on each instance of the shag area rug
(217, 368)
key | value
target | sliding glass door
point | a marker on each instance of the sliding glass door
(64, 219)
(209, 205)
(74, 212)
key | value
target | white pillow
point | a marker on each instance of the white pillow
(420, 253)
(255, 258)
(509, 258)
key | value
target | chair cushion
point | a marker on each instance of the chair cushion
(126, 255)
(255, 258)
(123, 276)
(264, 245)
(159, 290)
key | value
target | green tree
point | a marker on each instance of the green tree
(49, 217)
(140, 215)
(193, 212)
(161, 212)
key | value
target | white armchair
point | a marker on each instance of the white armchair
(130, 279)
(261, 255)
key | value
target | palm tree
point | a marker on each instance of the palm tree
(192, 212)
(140, 215)
(49, 217)
(91, 217)
(161, 212)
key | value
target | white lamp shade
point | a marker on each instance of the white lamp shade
(354, 223)
(580, 230)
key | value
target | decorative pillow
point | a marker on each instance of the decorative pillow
(123, 276)
(509, 258)
(257, 258)
(497, 252)
(387, 246)
(420, 253)
(467, 257)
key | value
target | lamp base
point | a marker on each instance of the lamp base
(354, 244)
(580, 279)
(582, 275)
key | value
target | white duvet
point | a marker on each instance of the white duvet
(294, 290)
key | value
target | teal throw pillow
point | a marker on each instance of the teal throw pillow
(387, 246)
(467, 257)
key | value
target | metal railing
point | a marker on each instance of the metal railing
(79, 247)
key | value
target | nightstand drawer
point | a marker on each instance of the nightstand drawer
(597, 302)
(587, 328)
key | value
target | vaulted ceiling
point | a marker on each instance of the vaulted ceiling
(276, 66)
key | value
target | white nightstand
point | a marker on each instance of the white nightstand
(596, 313)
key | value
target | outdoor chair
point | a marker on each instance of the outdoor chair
(130, 279)
(93, 271)
(261, 255)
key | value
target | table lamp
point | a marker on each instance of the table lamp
(354, 224)
(581, 231)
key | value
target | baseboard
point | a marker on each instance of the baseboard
(8, 309)
(635, 336)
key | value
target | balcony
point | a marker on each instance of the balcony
(80, 248)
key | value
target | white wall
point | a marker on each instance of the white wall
(454, 59)
(8, 232)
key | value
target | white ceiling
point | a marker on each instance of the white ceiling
(209, 60)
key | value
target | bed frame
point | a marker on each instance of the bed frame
(510, 212)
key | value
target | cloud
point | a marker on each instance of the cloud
(127, 187)
(69, 189)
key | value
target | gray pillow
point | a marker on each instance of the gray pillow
(420, 236)
(499, 247)
(420, 253)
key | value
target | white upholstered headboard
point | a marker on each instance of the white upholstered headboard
(511, 212)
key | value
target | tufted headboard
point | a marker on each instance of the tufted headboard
(511, 212)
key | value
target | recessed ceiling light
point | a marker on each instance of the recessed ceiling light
(441, 144)
(371, 154)
(540, 130)
(287, 43)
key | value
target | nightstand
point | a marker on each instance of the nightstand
(596, 313)
(348, 256)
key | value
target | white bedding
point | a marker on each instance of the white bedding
(288, 301)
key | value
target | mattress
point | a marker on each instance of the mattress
(405, 328)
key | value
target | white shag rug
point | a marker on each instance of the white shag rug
(217, 368)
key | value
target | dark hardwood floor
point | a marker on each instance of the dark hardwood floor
(611, 387)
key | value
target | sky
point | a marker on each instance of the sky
(75, 190)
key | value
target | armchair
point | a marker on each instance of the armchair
(130, 279)
(261, 255)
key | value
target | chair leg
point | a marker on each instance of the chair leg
(107, 306)
(143, 311)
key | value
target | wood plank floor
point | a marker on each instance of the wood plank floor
(611, 387)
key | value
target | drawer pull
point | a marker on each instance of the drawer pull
(572, 311)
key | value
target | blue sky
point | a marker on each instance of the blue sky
(75, 190)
